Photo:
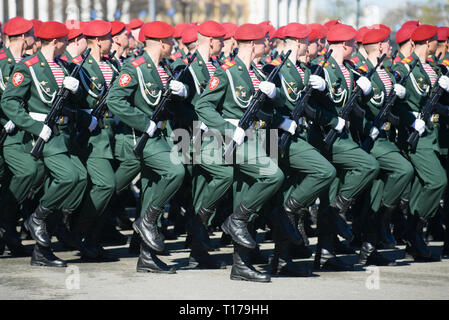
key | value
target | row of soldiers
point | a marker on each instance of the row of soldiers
(193, 100)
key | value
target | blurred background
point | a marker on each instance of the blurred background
(279, 12)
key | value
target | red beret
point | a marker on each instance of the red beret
(156, 30)
(279, 33)
(424, 32)
(229, 29)
(443, 33)
(341, 32)
(361, 33)
(331, 23)
(36, 24)
(318, 31)
(211, 29)
(414, 23)
(249, 31)
(117, 27)
(190, 34)
(16, 26)
(179, 28)
(405, 33)
(296, 30)
(375, 35)
(97, 28)
(52, 30)
(135, 23)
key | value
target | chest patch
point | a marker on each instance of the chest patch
(17, 79)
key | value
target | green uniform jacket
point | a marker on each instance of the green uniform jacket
(418, 88)
(33, 83)
(93, 85)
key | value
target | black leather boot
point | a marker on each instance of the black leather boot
(416, 246)
(325, 259)
(92, 251)
(383, 223)
(435, 228)
(146, 227)
(399, 220)
(109, 233)
(36, 225)
(242, 269)
(255, 256)
(341, 247)
(11, 238)
(300, 252)
(302, 225)
(43, 256)
(62, 233)
(149, 262)
(196, 226)
(286, 220)
(236, 226)
(370, 256)
(200, 257)
(281, 263)
(134, 244)
(336, 216)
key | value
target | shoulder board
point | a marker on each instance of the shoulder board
(397, 59)
(407, 60)
(3, 54)
(355, 60)
(176, 55)
(445, 62)
(64, 58)
(430, 60)
(321, 61)
(186, 60)
(268, 59)
(322, 52)
(138, 62)
(31, 61)
(276, 62)
(228, 64)
(363, 68)
(77, 59)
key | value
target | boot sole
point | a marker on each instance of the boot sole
(226, 230)
(233, 277)
(43, 264)
(142, 270)
(136, 229)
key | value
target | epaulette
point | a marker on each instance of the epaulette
(355, 60)
(64, 58)
(430, 60)
(321, 61)
(268, 59)
(3, 54)
(77, 59)
(186, 60)
(364, 68)
(228, 64)
(138, 62)
(407, 60)
(397, 59)
(176, 55)
(32, 61)
(276, 62)
(322, 52)
(445, 62)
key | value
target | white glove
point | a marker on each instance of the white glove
(374, 133)
(317, 82)
(10, 126)
(151, 128)
(45, 133)
(239, 136)
(419, 125)
(268, 88)
(365, 85)
(178, 88)
(71, 84)
(399, 90)
(93, 124)
(444, 83)
(289, 125)
(203, 127)
(340, 125)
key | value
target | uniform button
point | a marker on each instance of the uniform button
(106, 126)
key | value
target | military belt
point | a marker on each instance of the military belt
(41, 117)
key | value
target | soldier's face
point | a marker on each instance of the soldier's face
(433, 44)
(216, 45)
(82, 45)
(105, 44)
(321, 44)
(166, 46)
(135, 33)
(60, 46)
(349, 47)
(267, 44)
(386, 48)
(313, 48)
(29, 39)
(302, 47)
(132, 42)
(227, 45)
(259, 48)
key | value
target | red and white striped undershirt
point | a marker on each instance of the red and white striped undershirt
(17, 59)
(254, 79)
(431, 73)
(346, 75)
(57, 72)
(106, 70)
(300, 72)
(385, 79)
(210, 68)
(163, 75)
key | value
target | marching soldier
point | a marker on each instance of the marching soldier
(133, 99)
(220, 107)
(430, 180)
(229, 43)
(36, 81)
(355, 168)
